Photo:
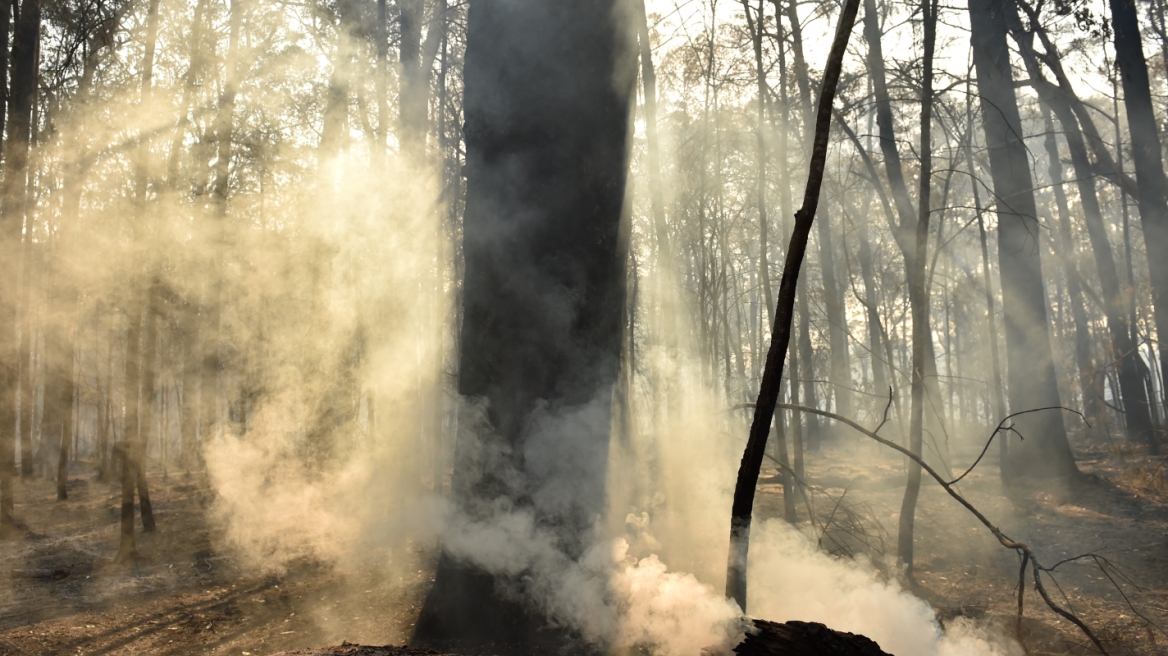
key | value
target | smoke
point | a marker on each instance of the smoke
(626, 586)
(325, 434)
(790, 579)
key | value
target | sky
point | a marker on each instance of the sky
(681, 17)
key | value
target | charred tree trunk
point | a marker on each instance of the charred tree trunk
(548, 92)
(764, 408)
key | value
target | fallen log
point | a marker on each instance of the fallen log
(55, 574)
(796, 638)
(767, 639)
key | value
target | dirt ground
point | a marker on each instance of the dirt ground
(61, 594)
(182, 596)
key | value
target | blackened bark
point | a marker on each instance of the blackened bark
(547, 96)
(1032, 383)
(768, 395)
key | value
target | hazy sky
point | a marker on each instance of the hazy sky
(682, 19)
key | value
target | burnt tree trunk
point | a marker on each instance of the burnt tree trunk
(768, 393)
(547, 96)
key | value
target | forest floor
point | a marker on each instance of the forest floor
(60, 593)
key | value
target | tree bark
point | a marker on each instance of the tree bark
(922, 332)
(548, 87)
(764, 409)
(836, 319)
(1123, 346)
(1147, 158)
(1092, 396)
(1044, 452)
(22, 96)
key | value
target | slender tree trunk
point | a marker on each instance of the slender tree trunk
(334, 134)
(871, 306)
(764, 409)
(779, 431)
(22, 96)
(417, 59)
(1123, 344)
(411, 103)
(1092, 405)
(140, 439)
(836, 318)
(189, 409)
(1146, 155)
(998, 393)
(381, 33)
(903, 232)
(919, 295)
(128, 549)
(6, 17)
(664, 263)
(27, 353)
(223, 127)
(105, 402)
(59, 391)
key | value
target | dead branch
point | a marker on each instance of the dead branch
(1002, 427)
(1005, 541)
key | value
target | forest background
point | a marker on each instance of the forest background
(234, 242)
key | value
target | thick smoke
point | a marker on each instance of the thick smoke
(330, 433)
